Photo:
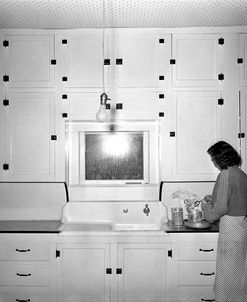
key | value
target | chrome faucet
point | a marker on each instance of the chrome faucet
(146, 210)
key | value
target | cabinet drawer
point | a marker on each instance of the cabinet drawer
(197, 250)
(196, 273)
(37, 295)
(26, 250)
(196, 295)
(24, 274)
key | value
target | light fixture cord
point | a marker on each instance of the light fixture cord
(103, 47)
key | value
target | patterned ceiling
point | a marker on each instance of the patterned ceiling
(63, 14)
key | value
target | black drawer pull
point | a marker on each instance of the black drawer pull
(210, 274)
(23, 251)
(20, 300)
(23, 275)
(208, 300)
(201, 250)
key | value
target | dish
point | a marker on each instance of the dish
(197, 225)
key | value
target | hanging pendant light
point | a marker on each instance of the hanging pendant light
(102, 114)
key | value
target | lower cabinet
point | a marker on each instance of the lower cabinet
(27, 270)
(194, 267)
(101, 272)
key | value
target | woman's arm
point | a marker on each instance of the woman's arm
(218, 208)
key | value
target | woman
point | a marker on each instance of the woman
(229, 204)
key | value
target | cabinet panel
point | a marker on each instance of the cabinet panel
(197, 60)
(28, 61)
(243, 55)
(144, 60)
(243, 128)
(24, 274)
(81, 59)
(197, 125)
(30, 124)
(196, 273)
(82, 273)
(20, 295)
(25, 250)
(144, 273)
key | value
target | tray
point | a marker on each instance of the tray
(197, 225)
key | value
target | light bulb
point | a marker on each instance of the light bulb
(102, 115)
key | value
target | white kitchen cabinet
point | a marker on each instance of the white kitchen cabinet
(201, 60)
(142, 272)
(80, 60)
(142, 59)
(242, 59)
(29, 148)
(29, 61)
(112, 272)
(195, 261)
(26, 268)
(83, 271)
(195, 125)
(243, 128)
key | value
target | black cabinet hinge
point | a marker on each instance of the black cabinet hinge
(5, 78)
(57, 253)
(221, 41)
(119, 106)
(64, 96)
(5, 102)
(53, 137)
(161, 78)
(5, 43)
(161, 41)
(5, 166)
(221, 77)
(119, 61)
(161, 114)
(64, 41)
(241, 135)
(64, 115)
(53, 62)
(108, 271)
(172, 134)
(107, 61)
(220, 101)
(161, 96)
(169, 253)
(240, 60)
(64, 79)
(172, 61)
(119, 271)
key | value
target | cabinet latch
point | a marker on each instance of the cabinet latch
(221, 41)
(119, 271)
(108, 271)
(5, 166)
(5, 43)
(169, 253)
(57, 253)
(5, 102)
(241, 135)
(220, 101)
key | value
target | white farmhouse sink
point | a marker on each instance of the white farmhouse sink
(113, 216)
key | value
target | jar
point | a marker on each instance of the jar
(177, 217)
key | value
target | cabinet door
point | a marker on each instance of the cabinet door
(243, 128)
(197, 60)
(81, 273)
(29, 148)
(142, 274)
(142, 59)
(28, 61)
(81, 60)
(243, 55)
(196, 125)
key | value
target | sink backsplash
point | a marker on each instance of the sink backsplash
(130, 212)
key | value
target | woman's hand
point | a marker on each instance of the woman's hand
(207, 198)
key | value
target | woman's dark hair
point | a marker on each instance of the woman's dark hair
(224, 155)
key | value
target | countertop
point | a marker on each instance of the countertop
(214, 228)
(30, 226)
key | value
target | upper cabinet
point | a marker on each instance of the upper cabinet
(242, 60)
(81, 61)
(131, 59)
(201, 60)
(142, 60)
(29, 61)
